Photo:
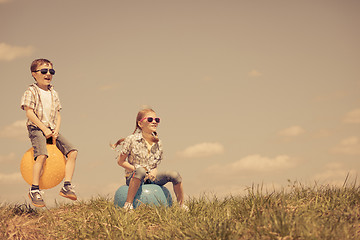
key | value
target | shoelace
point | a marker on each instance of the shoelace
(70, 187)
(39, 195)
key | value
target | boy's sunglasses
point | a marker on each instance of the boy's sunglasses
(150, 119)
(45, 71)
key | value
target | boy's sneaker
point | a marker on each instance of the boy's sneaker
(36, 198)
(68, 192)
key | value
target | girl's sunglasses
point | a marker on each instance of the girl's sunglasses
(45, 71)
(150, 119)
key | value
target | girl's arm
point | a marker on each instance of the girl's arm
(33, 118)
(125, 164)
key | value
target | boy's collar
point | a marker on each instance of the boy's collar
(49, 87)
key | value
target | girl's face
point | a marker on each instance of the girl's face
(146, 126)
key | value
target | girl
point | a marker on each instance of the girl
(143, 151)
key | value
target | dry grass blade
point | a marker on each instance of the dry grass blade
(317, 212)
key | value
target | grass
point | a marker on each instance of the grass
(319, 212)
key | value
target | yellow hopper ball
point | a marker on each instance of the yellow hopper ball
(53, 170)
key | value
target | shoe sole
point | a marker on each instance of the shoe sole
(36, 205)
(72, 197)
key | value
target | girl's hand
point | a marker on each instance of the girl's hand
(152, 175)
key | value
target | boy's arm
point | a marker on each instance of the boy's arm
(33, 118)
(57, 127)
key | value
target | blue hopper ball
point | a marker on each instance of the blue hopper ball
(151, 194)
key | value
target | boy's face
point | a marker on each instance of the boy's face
(43, 80)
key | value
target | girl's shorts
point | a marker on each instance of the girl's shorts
(161, 178)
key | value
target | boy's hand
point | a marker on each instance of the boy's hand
(48, 133)
(55, 135)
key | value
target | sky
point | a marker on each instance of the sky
(250, 93)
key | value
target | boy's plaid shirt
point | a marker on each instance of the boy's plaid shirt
(31, 99)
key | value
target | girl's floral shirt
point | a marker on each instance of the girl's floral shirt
(138, 153)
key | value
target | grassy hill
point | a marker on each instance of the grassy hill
(321, 212)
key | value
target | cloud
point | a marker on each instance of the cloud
(293, 131)
(256, 163)
(9, 53)
(353, 116)
(348, 146)
(16, 130)
(254, 73)
(7, 158)
(10, 178)
(335, 174)
(205, 149)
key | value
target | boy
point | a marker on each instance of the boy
(42, 106)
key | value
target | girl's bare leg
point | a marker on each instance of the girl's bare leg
(133, 188)
(179, 192)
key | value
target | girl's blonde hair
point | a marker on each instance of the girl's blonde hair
(139, 116)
